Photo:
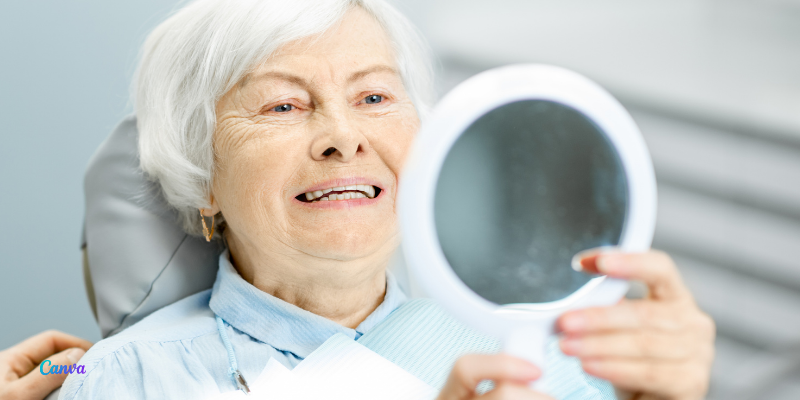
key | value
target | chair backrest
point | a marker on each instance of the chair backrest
(136, 257)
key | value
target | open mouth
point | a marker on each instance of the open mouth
(341, 193)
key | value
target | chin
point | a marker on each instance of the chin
(352, 244)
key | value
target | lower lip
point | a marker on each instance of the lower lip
(341, 204)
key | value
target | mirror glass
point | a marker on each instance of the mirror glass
(524, 188)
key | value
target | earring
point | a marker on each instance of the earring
(207, 233)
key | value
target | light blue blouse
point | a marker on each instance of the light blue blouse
(177, 353)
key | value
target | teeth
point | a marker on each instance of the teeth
(351, 192)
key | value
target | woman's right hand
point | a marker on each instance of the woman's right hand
(511, 378)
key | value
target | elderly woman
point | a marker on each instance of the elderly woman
(284, 127)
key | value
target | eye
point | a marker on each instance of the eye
(373, 99)
(284, 108)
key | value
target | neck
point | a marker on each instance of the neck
(345, 292)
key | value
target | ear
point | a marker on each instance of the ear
(214, 210)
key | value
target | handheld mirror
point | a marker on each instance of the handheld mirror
(516, 171)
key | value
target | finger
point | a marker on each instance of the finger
(586, 260)
(655, 268)
(37, 385)
(513, 391)
(32, 351)
(636, 344)
(665, 379)
(627, 315)
(471, 369)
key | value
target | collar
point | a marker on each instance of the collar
(282, 325)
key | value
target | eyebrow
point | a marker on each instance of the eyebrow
(302, 82)
(371, 70)
(278, 75)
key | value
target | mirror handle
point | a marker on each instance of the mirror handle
(530, 343)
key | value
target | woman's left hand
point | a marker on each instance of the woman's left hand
(659, 347)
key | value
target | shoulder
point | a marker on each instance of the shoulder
(120, 364)
(184, 319)
(181, 320)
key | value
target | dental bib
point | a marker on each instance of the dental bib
(407, 356)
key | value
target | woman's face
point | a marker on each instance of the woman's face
(325, 119)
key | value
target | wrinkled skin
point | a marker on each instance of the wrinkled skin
(304, 118)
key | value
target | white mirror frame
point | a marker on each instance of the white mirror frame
(519, 326)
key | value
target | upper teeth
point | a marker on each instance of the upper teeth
(350, 192)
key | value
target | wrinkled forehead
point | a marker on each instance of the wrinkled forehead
(354, 47)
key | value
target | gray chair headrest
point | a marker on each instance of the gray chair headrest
(137, 258)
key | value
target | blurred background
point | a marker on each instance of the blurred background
(713, 84)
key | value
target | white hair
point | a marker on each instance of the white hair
(198, 54)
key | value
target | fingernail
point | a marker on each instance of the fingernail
(571, 347)
(582, 261)
(577, 262)
(74, 354)
(572, 323)
(586, 260)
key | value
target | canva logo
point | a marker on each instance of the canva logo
(61, 369)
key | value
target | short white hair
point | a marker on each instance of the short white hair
(192, 59)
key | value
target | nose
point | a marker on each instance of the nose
(339, 139)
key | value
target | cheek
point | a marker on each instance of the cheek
(402, 153)
(257, 178)
(251, 176)
(393, 141)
